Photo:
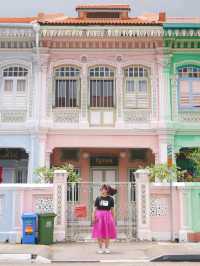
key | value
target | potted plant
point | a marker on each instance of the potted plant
(164, 173)
(46, 174)
(73, 176)
(195, 157)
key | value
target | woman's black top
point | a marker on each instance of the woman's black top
(104, 203)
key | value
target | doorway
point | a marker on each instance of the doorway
(102, 176)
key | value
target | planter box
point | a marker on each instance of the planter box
(196, 179)
(194, 237)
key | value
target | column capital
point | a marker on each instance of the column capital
(42, 137)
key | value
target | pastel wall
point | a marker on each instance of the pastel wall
(17, 199)
(165, 220)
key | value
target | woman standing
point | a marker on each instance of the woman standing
(103, 218)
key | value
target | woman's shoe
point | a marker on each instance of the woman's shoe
(107, 251)
(100, 251)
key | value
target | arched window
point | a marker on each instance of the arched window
(101, 87)
(189, 86)
(67, 86)
(137, 87)
(15, 80)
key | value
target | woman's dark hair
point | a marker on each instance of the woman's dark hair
(110, 190)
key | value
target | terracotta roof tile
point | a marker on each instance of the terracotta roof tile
(17, 20)
(99, 21)
(103, 7)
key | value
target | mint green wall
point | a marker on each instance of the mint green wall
(196, 210)
(187, 141)
(178, 57)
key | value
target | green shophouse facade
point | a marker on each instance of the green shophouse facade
(182, 74)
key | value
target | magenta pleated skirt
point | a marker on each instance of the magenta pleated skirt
(104, 226)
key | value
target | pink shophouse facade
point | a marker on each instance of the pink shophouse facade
(102, 92)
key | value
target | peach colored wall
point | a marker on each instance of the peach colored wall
(101, 141)
(103, 54)
(30, 197)
(162, 223)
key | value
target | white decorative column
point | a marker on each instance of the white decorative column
(165, 139)
(119, 97)
(167, 89)
(31, 159)
(60, 204)
(48, 158)
(164, 90)
(185, 213)
(84, 97)
(162, 142)
(143, 205)
(162, 95)
(42, 150)
(43, 87)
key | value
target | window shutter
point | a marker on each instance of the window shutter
(21, 85)
(196, 93)
(8, 86)
(184, 94)
(142, 101)
(130, 97)
(143, 97)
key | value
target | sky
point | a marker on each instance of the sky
(17, 8)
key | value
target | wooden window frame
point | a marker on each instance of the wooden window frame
(190, 80)
(105, 73)
(67, 77)
(136, 79)
(15, 79)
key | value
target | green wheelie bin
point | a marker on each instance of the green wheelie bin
(45, 228)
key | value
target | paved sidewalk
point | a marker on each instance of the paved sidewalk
(135, 251)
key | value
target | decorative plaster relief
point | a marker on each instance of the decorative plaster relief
(192, 117)
(111, 32)
(59, 204)
(13, 116)
(136, 116)
(143, 200)
(43, 204)
(159, 207)
(66, 115)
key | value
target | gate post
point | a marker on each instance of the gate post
(143, 204)
(60, 203)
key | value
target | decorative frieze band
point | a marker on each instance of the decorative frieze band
(103, 43)
(16, 32)
(181, 32)
(17, 44)
(13, 116)
(136, 116)
(66, 115)
(189, 117)
(114, 32)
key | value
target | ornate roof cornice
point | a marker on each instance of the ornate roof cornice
(142, 31)
(19, 33)
(181, 29)
(16, 31)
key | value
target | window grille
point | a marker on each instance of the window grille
(67, 84)
(73, 190)
(101, 87)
